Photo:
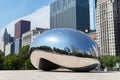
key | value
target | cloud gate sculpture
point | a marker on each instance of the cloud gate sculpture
(65, 48)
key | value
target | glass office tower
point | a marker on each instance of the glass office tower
(70, 14)
(21, 27)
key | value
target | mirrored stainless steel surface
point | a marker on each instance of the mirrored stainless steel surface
(66, 48)
(68, 40)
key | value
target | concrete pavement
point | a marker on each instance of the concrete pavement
(57, 75)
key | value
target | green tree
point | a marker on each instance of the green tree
(118, 59)
(2, 57)
(11, 62)
(27, 65)
(24, 52)
(108, 61)
(23, 55)
(16, 62)
(24, 58)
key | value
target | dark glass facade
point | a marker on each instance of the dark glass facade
(17, 46)
(70, 14)
(21, 27)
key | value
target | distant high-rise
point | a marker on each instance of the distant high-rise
(70, 14)
(9, 48)
(6, 39)
(21, 27)
(108, 26)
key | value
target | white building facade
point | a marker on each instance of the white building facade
(2, 46)
(108, 26)
(9, 49)
(29, 36)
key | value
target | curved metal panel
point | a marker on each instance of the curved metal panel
(72, 41)
(66, 42)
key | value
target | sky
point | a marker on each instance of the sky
(11, 10)
(92, 15)
(36, 11)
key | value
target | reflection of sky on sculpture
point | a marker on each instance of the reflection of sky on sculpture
(65, 38)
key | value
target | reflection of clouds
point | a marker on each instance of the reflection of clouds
(53, 39)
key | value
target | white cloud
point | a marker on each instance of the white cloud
(40, 18)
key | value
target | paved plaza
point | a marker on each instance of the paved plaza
(57, 75)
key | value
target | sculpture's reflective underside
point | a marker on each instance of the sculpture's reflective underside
(66, 48)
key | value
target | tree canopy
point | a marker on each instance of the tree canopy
(20, 61)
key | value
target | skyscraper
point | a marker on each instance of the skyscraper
(6, 39)
(70, 14)
(9, 48)
(20, 27)
(108, 26)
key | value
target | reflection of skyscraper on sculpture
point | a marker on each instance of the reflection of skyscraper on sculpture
(80, 50)
(67, 49)
(89, 52)
(93, 51)
(73, 50)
